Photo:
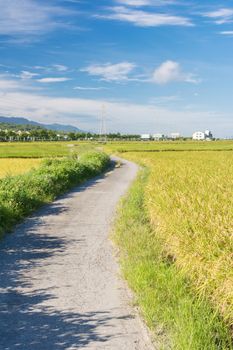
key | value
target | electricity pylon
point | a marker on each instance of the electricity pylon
(103, 129)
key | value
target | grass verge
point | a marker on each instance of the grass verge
(179, 319)
(21, 195)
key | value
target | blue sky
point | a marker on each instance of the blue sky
(156, 65)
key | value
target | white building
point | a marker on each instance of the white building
(145, 137)
(158, 137)
(175, 135)
(201, 136)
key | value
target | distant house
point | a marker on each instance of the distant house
(201, 136)
(158, 137)
(175, 135)
(145, 137)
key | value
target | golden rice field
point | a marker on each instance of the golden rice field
(16, 166)
(189, 197)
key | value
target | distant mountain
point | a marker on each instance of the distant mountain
(24, 121)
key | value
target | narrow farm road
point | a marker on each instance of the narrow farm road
(59, 280)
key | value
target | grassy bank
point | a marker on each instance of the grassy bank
(21, 195)
(180, 319)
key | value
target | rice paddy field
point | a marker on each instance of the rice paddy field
(125, 147)
(188, 199)
(39, 149)
(180, 242)
(20, 157)
(10, 167)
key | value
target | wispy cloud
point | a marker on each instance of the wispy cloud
(51, 68)
(89, 88)
(50, 80)
(111, 72)
(140, 3)
(14, 83)
(60, 67)
(227, 32)
(27, 75)
(142, 18)
(136, 3)
(28, 19)
(221, 16)
(8, 84)
(160, 100)
(170, 71)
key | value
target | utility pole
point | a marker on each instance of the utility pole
(103, 129)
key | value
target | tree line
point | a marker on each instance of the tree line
(40, 134)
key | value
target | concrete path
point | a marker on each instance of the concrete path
(59, 280)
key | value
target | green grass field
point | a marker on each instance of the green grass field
(40, 149)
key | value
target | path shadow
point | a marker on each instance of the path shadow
(25, 322)
(23, 327)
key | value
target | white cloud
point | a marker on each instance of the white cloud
(39, 67)
(139, 3)
(60, 67)
(145, 19)
(221, 16)
(7, 83)
(159, 100)
(89, 88)
(52, 80)
(135, 2)
(170, 71)
(23, 20)
(111, 72)
(27, 75)
(51, 68)
(16, 100)
(227, 32)
(124, 117)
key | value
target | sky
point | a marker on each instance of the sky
(157, 66)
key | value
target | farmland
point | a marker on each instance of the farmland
(10, 167)
(174, 229)
(40, 149)
(125, 147)
(177, 250)
(19, 157)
